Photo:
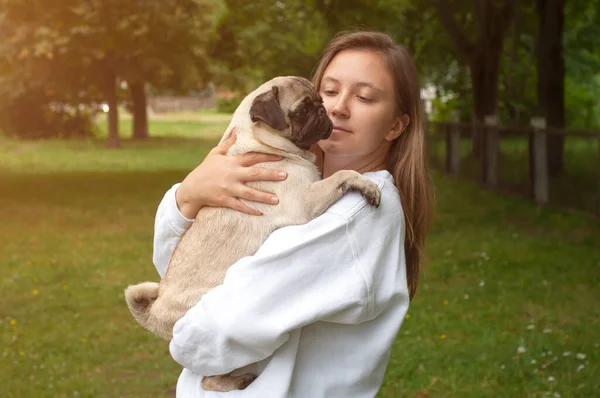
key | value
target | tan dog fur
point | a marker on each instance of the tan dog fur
(220, 236)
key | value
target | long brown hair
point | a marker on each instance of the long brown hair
(406, 160)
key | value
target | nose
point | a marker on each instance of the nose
(340, 107)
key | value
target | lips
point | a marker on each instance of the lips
(341, 129)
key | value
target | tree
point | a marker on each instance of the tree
(582, 59)
(168, 51)
(96, 45)
(482, 54)
(40, 83)
(551, 77)
(416, 25)
(79, 41)
(518, 77)
(261, 39)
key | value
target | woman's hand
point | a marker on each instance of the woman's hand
(219, 181)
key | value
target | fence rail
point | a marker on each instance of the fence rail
(164, 104)
(549, 166)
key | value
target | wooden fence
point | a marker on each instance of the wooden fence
(516, 159)
(164, 104)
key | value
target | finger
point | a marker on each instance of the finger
(257, 196)
(240, 206)
(223, 147)
(262, 174)
(251, 158)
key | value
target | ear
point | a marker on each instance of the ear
(265, 107)
(398, 127)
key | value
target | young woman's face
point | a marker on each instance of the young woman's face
(358, 93)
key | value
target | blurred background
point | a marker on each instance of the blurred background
(104, 104)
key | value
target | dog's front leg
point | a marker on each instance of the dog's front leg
(324, 193)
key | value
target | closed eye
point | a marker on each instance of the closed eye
(301, 112)
(329, 92)
(365, 99)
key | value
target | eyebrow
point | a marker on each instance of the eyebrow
(359, 84)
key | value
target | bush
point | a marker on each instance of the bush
(31, 117)
(228, 105)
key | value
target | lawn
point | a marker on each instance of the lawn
(578, 187)
(507, 307)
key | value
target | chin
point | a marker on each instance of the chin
(331, 146)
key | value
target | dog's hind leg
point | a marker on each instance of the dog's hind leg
(224, 383)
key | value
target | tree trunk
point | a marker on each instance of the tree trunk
(113, 107)
(484, 80)
(140, 114)
(481, 53)
(551, 77)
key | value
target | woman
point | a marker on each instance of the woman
(315, 311)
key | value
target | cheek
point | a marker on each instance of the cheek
(370, 117)
(381, 117)
(329, 104)
(372, 123)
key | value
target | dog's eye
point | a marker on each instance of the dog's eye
(303, 112)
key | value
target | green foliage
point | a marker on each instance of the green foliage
(71, 49)
(75, 51)
(33, 116)
(228, 105)
(518, 74)
(429, 43)
(260, 40)
(582, 53)
(583, 110)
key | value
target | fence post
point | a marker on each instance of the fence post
(540, 163)
(490, 151)
(453, 145)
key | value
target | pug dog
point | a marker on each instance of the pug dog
(284, 116)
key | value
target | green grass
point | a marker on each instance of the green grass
(205, 123)
(77, 223)
(577, 188)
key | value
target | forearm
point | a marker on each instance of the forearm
(188, 208)
(169, 226)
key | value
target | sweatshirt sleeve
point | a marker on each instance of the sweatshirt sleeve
(300, 275)
(169, 227)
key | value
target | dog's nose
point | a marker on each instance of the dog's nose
(328, 129)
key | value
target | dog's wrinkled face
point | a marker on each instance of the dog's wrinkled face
(292, 107)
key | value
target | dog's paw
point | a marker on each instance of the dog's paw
(369, 190)
(358, 183)
(245, 380)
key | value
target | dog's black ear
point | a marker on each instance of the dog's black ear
(266, 107)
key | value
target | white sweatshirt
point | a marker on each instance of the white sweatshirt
(314, 312)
